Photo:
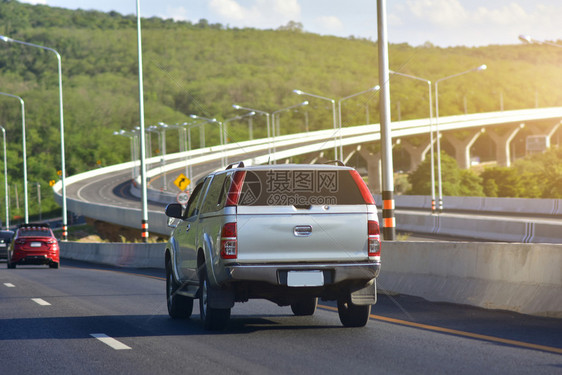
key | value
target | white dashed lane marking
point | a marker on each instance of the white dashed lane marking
(10, 285)
(110, 341)
(41, 302)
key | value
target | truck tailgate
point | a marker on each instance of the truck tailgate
(286, 234)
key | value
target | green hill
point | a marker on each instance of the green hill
(204, 68)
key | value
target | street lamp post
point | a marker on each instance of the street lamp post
(236, 106)
(221, 135)
(375, 88)
(39, 200)
(182, 134)
(131, 137)
(6, 199)
(283, 110)
(433, 208)
(530, 40)
(25, 194)
(189, 171)
(144, 192)
(299, 92)
(439, 176)
(63, 172)
(163, 128)
(225, 122)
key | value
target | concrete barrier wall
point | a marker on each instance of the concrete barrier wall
(130, 255)
(481, 228)
(526, 278)
(127, 217)
(484, 204)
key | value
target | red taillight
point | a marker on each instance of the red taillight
(367, 196)
(374, 238)
(235, 188)
(229, 242)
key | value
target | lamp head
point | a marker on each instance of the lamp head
(236, 106)
(5, 38)
(376, 88)
(298, 92)
(482, 67)
(305, 102)
(193, 116)
(526, 39)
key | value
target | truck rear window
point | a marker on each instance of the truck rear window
(299, 187)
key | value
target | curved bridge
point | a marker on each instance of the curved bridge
(93, 193)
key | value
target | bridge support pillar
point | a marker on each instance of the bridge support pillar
(462, 147)
(373, 169)
(349, 151)
(503, 142)
(417, 153)
(549, 132)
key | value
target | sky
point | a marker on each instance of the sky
(444, 23)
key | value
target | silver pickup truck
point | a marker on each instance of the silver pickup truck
(286, 233)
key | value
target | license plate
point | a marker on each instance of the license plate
(35, 244)
(305, 278)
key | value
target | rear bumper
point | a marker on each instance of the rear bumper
(23, 258)
(276, 274)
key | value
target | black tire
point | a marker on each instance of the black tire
(213, 319)
(304, 307)
(54, 265)
(179, 307)
(10, 265)
(353, 315)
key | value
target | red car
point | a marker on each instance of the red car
(34, 243)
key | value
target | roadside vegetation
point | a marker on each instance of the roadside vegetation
(203, 68)
(535, 176)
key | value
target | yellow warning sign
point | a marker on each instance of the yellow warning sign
(182, 182)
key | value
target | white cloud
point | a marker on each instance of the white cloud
(330, 23)
(507, 15)
(229, 9)
(34, 2)
(260, 13)
(439, 12)
(176, 13)
(473, 22)
(287, 8)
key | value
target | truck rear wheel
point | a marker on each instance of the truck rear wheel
(179, 307)
(304, 307)
(213, 319)
(353, 315)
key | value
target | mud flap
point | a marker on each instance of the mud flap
(220, 298)
(366, 295)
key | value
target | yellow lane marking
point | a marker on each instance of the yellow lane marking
(425, 326)
(459, 333)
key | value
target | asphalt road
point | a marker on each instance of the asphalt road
(52, 321)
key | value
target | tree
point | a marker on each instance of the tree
(456, 181)
(291, 26)
(506, 180)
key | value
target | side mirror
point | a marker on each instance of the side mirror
(174, 210)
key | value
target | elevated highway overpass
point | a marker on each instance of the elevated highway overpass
(514, 276)
(103, 194)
